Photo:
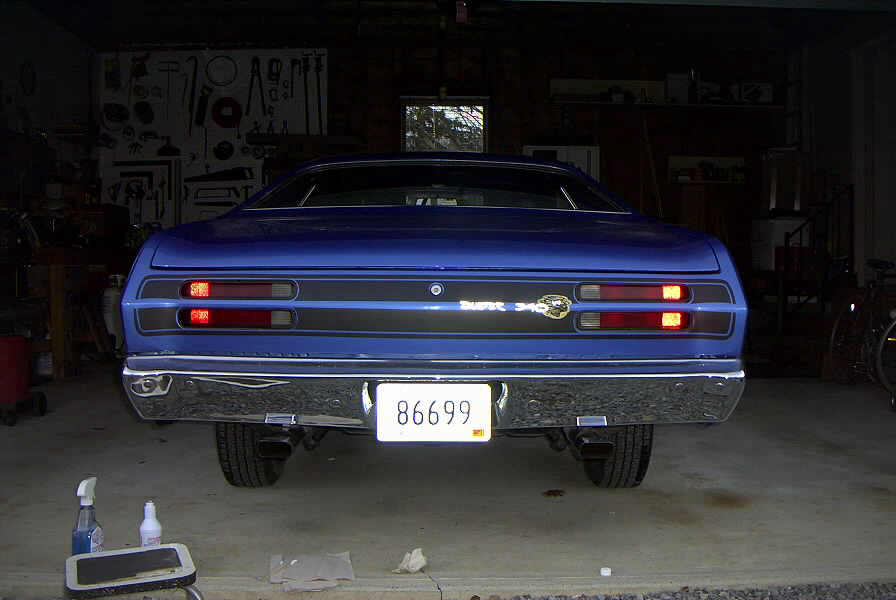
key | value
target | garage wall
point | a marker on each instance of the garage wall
(60, 61)
(874, 147)
(366, 86)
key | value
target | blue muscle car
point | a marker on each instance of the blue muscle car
(434, 298)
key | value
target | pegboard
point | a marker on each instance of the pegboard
(173, 125)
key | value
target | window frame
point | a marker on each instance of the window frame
(446, 101)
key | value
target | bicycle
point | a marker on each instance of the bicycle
(857, 337)
(886, 358)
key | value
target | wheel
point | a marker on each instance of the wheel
(39, 403)
(626, 468)
(886, 359)
(8, 416)
(845, 344)
(237, 456)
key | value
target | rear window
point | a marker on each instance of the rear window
(439, 185)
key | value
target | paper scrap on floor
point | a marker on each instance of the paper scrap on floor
(413, 562)
(311, 573)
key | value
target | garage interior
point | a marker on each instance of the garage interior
(768, 126)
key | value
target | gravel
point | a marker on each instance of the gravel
(846, 591)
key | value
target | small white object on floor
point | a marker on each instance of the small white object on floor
(311, 573)
(605, 571)
(412, 562)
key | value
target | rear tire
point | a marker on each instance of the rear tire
(239, 460)
(845, 344)
(626, 468)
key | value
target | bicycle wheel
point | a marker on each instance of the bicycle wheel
(845, 346)
(886, 360)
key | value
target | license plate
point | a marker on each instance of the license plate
(433, 412)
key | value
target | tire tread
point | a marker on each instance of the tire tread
(627, 466)
(239, 462)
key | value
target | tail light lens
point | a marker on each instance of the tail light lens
(634, 321)
(231, 318)
(239, 290)
(634, 293)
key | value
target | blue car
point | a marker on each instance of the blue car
(434, 298)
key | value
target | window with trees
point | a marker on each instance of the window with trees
(451, 125)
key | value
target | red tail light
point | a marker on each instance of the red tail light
(634, 292)
(672, 320)
(239, 290)
(230, 318)
(672, 292)
(200, 289)
(634, 321)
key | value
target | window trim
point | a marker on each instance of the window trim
(544, 167)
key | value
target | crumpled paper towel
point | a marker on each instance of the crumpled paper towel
(311, 573)
(412, 562)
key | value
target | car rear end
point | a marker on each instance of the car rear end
(435, 324)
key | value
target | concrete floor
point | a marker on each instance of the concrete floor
(799, 486)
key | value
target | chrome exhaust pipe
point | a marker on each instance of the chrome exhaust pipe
(592, 447)
(277, 447)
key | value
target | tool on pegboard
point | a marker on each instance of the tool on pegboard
(275, 66)
(202, 106)
(255, 82)
(192, 93)
(168, 67)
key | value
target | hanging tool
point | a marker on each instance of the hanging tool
(192, 93)
(202, 106)
(168, 67)
(255, 80)
(274, 94)
(138, 71)
(144, 113)
(232, 174)
(306, 66)
(292, 76)
(221, 70)
(183, 95)
(227, 112)
(271, 127)
(167, 149)
(318, 67)
(285, 129)
(223, 150)
(275, 66)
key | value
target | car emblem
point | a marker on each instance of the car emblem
(436, 289)
(557, 306)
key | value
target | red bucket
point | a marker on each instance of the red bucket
(13, 369)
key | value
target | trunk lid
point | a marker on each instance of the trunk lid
(435, 238)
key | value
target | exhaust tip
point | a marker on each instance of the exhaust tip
(591, 449)
(279, 448)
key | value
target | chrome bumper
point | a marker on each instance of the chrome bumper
(341, 393)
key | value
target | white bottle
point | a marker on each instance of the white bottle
(150, 528)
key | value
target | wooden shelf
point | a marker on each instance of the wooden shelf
(585, 99)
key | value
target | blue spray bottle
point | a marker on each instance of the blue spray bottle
(87, 536)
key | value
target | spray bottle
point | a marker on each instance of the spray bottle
(87, 536)
(150, 528)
